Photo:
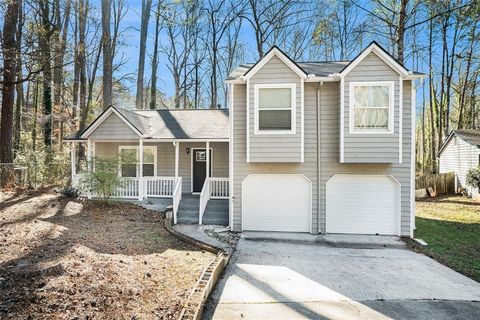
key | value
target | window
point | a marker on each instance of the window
(275, 108)
(200, 156)
(130, 159)
(371, 107)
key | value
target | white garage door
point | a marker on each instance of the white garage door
(276, 202)
(362, 204)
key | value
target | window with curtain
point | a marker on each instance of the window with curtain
(274, 109)
(371, 107)
(129, 161)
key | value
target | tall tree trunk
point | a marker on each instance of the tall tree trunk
(76, 66)
(44, 44)
(8, 92)
(433, 154)
(153, 88)
(82, 60)
(146, 7)
(19, 87)
(107, 54)
(402, 17)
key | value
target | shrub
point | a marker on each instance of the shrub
(69, 192)
(104, 179)
(473, 177)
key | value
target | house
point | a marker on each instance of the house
(460, 152)
(317, 147)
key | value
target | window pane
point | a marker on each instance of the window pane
(275, 119)
(129, 170)
(371, 96)
(280, 98)
(148, 170)
(129, 155)
(200, 156)
(368, 118)
(148, 156)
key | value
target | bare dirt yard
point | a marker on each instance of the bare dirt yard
(67, 259)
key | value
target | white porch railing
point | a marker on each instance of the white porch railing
(128, 189)
(219, 188)
(159, 186)
(213, 188)
(204, 197)
(177, 196)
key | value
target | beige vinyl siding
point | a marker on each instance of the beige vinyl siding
(166, 158)
(113, 128)
(242, 169)
(275, 147)
(371, 148)
(460, 158)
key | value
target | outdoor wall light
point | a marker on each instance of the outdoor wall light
(187, 150)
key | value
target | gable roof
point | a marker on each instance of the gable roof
(167, 124)
(382, 54)
(325, 70)
(470, 136)
(275, 52)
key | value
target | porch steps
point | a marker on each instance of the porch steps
(215, 213)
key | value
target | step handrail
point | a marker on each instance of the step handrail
(177, 196)
(204, 197)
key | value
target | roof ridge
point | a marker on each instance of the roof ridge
(132, 112)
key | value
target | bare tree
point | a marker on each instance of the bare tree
(146, 8)
(153, 88)
(107, 54)
(9, 47)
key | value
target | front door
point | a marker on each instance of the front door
(199, 168)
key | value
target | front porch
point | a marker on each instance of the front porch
(182, 173)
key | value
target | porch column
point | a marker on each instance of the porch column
(208, 159)
(89, 163)
(140, 171)
(177, 153)
(73, 161)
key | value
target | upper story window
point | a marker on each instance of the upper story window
(130, 161)
(275, 108)
(371, 107)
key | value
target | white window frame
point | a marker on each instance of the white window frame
(293, 89)
(137, 148)
(391, 109)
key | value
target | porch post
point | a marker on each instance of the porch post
(177, 152)
(73, 161)
(140, 171)
(89, 163)
(208, 159)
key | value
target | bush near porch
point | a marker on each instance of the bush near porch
(451, 227)
(64, 259)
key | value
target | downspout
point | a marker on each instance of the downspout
(319, 153)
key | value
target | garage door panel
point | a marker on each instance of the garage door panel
(362, 204)
(276, 203)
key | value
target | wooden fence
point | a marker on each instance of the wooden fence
(442, 183)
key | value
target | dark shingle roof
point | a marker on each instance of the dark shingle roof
(319, 69)
(468, 135)
(175, 124)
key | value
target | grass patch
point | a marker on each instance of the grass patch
(451, 227)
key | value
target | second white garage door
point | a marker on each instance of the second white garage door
(363, 204)
(276, 202)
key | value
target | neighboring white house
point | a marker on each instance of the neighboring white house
(459, 153)
(317, 147)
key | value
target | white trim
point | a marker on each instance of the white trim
(400, 119)
(379, 53)
(412, 160)
(281, 174)
(331, 78)
(275, 52)
(141, 150)
(192, 151)
(103, 117)
(184, 140)
(302, 120)
(391, 107)
(247, 113)
(137, 147)
(342, 119)
(231, 159)
(177, 157)
(398, 198)
(89, 163)
(293, 109)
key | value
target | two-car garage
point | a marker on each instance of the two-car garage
(357, 204)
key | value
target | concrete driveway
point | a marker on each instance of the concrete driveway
(279, 280)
